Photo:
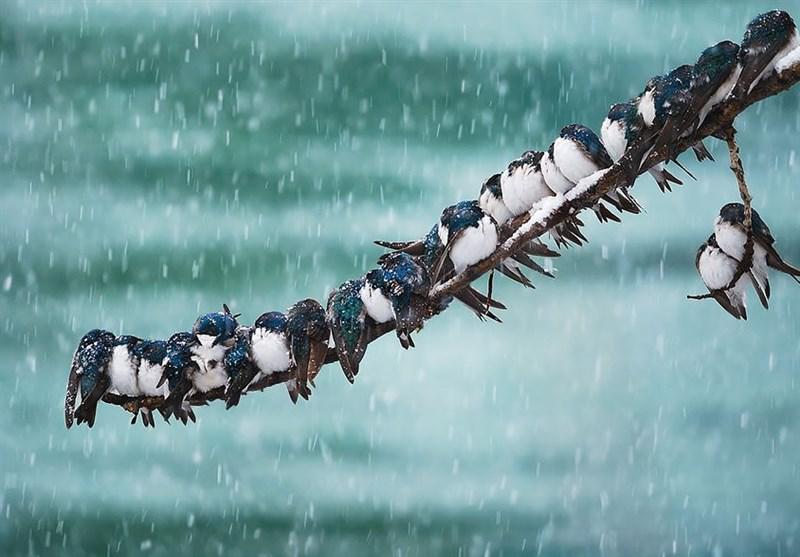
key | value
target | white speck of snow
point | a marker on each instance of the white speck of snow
(788, 61)
(7, 282)
(586, 184)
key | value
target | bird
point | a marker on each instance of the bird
(178, 366)
(491, 201)
(350, 325)
(88, 374)
(214, 333)
(731, 237)
(308, 335)
(397, 291)
(468, 235)
(124, 365)
(663, 106)
(718, 269)
(768, 38)
(270, 351)
(239, 366)
(575, 154)
(150, 355)
(715, 74)
(522, 184)
(430, 250)
(622, 128)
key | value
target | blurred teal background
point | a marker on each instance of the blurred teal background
(158, 160)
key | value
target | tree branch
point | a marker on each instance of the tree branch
(554, 211)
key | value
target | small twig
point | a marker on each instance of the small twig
(746, 263)
(700, 296)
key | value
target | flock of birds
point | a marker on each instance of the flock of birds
(220, 354)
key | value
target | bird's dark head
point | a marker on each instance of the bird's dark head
(717, 60)
(622, 112)
(273, 321)
(462, 215)
(153, 351)
(215, 328)
(772, 27)
(492, 185)
(96, 335)
(733, 213)
(589, 142)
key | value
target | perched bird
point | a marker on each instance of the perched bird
(239, 366)
(150, 355)
(430, 250)
(731, 237)
(576, 154)
(88, 373)
(664, 105)
(350, 325)
(715, 74)
(767, 39)
(622, 128)
(717, 269)
(308, 341)
(269, 348)
(214, 334)
(124, 366)
(468, 235)
(178, 366)
(492, 203)
(522, 184)
(397, 291)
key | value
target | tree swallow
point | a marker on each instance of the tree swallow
(349, 324)
(731, 238)
(715, 74)
(214, 334)
(492, 202)
(178, 366)
(621, 128)
(717, 270)
(767, 39)
(431, 252)
(270, 350)
(397, 290)
(308, 340)
(522, 183)
(149, 355)
(239, 366)
(663, 106)
(468, 235)
(575, 154)
(89, 373)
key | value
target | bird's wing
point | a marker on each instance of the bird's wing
(72, 391)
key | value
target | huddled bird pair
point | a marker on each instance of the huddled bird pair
(719, 257)
(221, 356)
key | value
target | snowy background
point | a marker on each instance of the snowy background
(158, 161)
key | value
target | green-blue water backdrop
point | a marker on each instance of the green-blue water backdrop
(159, 159)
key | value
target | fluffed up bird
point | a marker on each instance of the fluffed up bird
(622, 128)
(178, 366)
(715, 74)
(576, 154)
(214, 334)
(308, 335)
(350, 325)
(767, 39)
(492, 202)
(149, 356)
(430, 250)
(89, 374)
(731, 237)
(718, 269)
(664, 107)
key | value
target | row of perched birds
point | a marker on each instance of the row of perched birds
(222, 356)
